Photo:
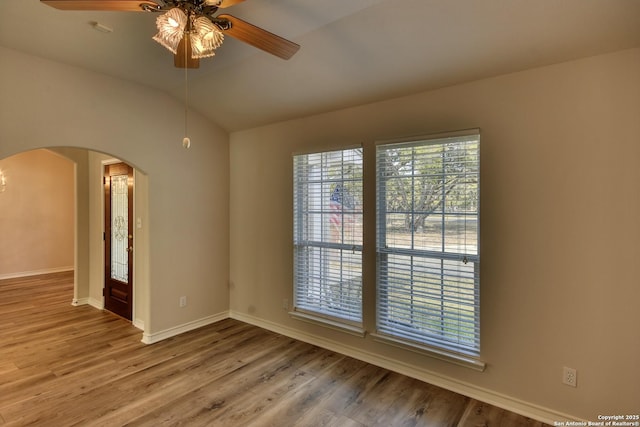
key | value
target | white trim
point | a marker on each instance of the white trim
(138, 323)
(500, 400)
(155, 337)
(451, 357)
(35, 272)
(80, 301)
(96, 303)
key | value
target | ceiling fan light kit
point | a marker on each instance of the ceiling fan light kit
(171, 27)
(190, 30)
(203, 35)
(205, 38)
(192, 24)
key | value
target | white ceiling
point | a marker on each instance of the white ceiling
(353, 51)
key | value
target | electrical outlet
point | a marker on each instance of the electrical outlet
(570, 376)
(183, 301)
(285, 304)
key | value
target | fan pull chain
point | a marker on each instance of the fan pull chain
(186, 142)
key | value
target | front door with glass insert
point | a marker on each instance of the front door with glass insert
(118, 284)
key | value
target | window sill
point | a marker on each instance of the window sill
(447, 356)
(328, 323)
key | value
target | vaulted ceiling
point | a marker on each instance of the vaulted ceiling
(353, 51)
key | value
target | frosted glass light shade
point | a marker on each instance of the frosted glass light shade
(205, 38)
(171, 27)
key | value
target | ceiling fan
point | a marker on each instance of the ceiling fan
(189, 28)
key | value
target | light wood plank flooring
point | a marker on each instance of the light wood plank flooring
(62, 365)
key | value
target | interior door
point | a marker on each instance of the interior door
(118, 283)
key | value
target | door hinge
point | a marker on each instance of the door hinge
(102, 291)
(104, 235)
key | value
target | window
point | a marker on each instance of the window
(427, 242)
(327, 199)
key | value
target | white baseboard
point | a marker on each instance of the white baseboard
(96, 303)
(35, 272)
(500, 400)
(138, 323)
(155, 337)
(79, 301)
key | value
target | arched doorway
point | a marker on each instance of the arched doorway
(54, 207)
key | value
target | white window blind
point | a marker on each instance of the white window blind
(427, 242)
(327, 199)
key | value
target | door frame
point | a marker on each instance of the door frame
(134, 284)
(118, 305)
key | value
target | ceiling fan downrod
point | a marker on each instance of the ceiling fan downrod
(200, 7)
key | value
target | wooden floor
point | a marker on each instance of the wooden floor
(62, 365)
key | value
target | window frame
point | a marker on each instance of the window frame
(301, 310)
(432, 344)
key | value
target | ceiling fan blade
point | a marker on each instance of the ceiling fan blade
(182, 58)
(257, 37)
(229, 3)
(108, 5)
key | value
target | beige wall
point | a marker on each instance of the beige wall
(81, 229)
(46, 104)
(560, 207)
(37, 214)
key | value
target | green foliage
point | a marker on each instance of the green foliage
(427, 179)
